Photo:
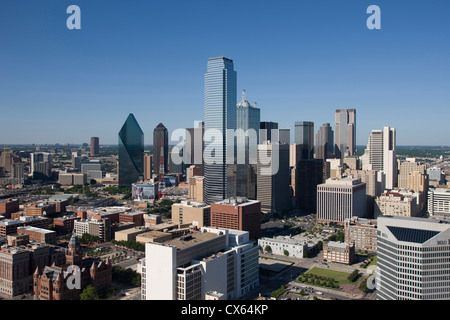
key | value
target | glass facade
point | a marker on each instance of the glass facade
(220, 115)
(131, 152)
(304, 137)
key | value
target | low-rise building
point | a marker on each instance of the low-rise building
(288, 246)
(197, 213)
(129, 234)
(340, 252)
(38, 234)
(361, 232)
(398, 203)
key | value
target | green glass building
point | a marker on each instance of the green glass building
(131, 152)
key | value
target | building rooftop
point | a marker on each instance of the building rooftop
(237, 201)
(191, 239)
(336, 244)
(34, 229)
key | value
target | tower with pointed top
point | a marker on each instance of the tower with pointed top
(160, 149)
(73, 252)
(131, 152)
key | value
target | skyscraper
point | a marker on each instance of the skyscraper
(324, 142)
(304, 138)
(160, 148)
(131, 152)
(220, 115)
(94, 150)
(381, 155)
(148, 165)
(265, 132)
(248, 121)
(345, 133)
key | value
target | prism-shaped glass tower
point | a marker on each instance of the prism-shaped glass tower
(131, 152)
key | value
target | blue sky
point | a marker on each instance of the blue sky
(298, 59)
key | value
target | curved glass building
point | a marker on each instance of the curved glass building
(131, 152)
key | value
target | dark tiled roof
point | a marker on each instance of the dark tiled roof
(412, 235)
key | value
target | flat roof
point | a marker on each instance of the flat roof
(34, 229)
(191, 239)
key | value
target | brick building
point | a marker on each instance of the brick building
(237, 214)
(52, 282)
(8, 206)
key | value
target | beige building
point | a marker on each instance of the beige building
(193, 212)
(398, 203)
(408, 167)
(374, 180)
(361, 232)
(340, 252)
(129, 234)
(152, 220)
(153, 236)
(196, 188)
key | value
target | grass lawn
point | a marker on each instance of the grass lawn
(373, 262)
(339, 276)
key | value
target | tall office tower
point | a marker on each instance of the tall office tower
(304, 137)
(41, 164)
(194, 146)
(265, 131)
(148, 166)
(308, 175)
(131, 152)
(247, 134)
(94, 150)
(342, 199)
(412, 259)
(176, 164)
(220, 115)
(285, 135)
(406, 168)
(345, 133)
(381, 155)
(273, 178)
(160, 149)
(324, 142)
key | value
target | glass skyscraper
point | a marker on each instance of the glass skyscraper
(220, 115)
(345, 133)
(131, 152)
(160, 149)
(304, 137)
(248, 121)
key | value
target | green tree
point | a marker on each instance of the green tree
(268, 249)
(89, 293)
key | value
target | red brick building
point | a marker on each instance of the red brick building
(52, 282)
(136, 217)
(8, 206)
(238, 214)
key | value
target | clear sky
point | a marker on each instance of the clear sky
(298, 59)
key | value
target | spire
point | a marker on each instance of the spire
(94, 267)
(243, 95)
(36, 272)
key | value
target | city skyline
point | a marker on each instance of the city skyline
(396, 76)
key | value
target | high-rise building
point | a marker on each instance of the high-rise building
(220, 116)
(194, 146)
(439, 202)
(381, 155)
(285, 135)
(148, 165)
(160, 149)
(237, 214)
(273, 178)
(406, 168)
(342, 199)
(176, 164)
(345, 133)
(304, 137)
(131, 152)
(308, 175)
(265, 131)
(41, 165)
(247, 134)
(412, 259)
(190, 267)
(94, 150)
(324, 142)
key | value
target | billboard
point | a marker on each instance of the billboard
(143, 191)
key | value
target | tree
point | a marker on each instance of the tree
(286, 253)
(268, 249)
(89, 293)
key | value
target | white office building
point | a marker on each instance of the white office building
(340, 199)
(188, 267)
(413, 259)
(280, 245)
(439, 202)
